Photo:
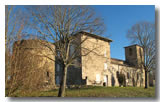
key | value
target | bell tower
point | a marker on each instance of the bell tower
(134, 55)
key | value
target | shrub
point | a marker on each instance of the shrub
(121, 80)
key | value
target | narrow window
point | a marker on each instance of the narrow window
(140, 53)
(105, 66)
(86, 77)
(57, 80)
(97, 78)
(105, 53)
(137, 76)
(58, 67)
(130, 51)
(71, 49)
(117, 74)
(58, 54)
(9, 77)
(104, 79)
(47, 74)
(128, 75)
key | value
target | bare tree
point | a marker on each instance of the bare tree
(60, 25)
(15, 22)
(10, 30)
(29, 65)
(143, 33)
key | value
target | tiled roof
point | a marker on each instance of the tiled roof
(95, 36)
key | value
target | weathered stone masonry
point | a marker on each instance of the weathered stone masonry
(97, 68)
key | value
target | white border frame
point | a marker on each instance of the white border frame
(69, 2)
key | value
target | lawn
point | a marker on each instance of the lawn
(93, 91)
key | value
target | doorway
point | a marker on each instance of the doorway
(105, 80)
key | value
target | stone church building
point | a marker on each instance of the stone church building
(96, 68)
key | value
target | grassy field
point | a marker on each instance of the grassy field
(95, 91)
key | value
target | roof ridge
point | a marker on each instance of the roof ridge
(94, 35)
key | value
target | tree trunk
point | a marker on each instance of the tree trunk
(146, 80)
(61, 92)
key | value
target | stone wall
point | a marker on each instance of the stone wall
(35, 63)
(133, 76)
(99, 69)
(96, 62)
(94, 65)
(134, 55)
(74, 72)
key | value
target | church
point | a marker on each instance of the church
(97, 68)
(102, 70)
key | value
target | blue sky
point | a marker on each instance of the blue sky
(118, 19)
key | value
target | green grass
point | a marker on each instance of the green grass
(94, 91)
